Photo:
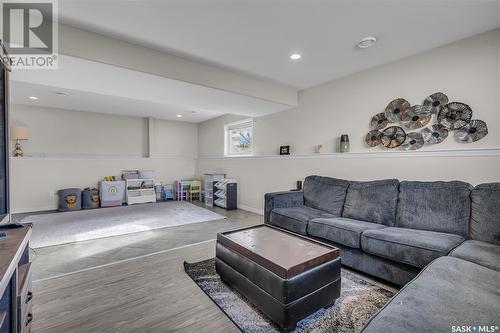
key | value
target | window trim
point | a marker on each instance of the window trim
(227, 127)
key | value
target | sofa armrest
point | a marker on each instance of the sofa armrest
(284, 199)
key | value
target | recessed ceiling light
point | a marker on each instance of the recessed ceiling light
(179, 116)
(62, 93)
(295, 56)
(33, 98)
(366, 42)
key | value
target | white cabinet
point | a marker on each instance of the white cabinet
(140, 191)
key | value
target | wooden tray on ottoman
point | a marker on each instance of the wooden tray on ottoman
(285, 275)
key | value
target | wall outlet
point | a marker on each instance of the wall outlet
(52, 193)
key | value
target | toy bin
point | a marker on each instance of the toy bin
(159, 192)
(111, 193)
(146, 174)
(168, 191)
(70, 199)
(90, 198)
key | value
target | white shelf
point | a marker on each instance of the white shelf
(375, 153)
(142, 194)
(209, 181)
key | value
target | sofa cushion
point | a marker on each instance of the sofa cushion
(481, 253)
(485, 218)
(325, 193)
(295, 218)
(282, 199)
(449, 292)
(434, 206)
(340, 230)
(409, 246)
(373, 201)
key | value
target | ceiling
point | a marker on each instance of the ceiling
(257, 37)
(98, 87)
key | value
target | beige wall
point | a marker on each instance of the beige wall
(173, 138)
(467, 71)
(77, 149)
(72, 148)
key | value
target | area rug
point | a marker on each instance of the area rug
(359, 300)
(60, 228)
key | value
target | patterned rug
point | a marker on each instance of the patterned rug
(359, 300)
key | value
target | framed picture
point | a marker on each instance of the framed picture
(284, 150)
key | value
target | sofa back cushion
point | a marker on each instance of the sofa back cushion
(434, 206)
(373, 201)
(485, 218)
(325, 193)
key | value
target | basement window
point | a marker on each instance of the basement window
(238, 138)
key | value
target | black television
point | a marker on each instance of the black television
(4, 136)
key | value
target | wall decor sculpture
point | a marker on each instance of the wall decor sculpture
(435, 134)
(393, 136)
(447, 116)
(373, 138)
(455, 115)
(379, 121)
(474, 130)
(435, 102)
(416, 117)
(395, 109)
(414, 141)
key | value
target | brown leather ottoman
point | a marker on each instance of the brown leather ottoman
(287, 276)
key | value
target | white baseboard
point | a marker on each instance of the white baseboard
(41, 209)
(33, 209)
(251, 209)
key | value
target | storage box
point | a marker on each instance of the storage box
(146, 174)
(130, 174)
(112, 193)
(168, 191)
(90, 198)
(70, 199)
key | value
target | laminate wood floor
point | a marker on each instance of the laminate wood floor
(130, 283)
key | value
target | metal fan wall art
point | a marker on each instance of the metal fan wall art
(473, 131)
(455, 115)
(449, 116)
(435, 102)
(379, 121)
(416, 117)
(373, 138)
(414, 141)
(437, 133)
(396, 108)
(393, 137)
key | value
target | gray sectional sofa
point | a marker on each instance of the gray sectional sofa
(444, 237)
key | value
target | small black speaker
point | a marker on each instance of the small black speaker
(299, 185)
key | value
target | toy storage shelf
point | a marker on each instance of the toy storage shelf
(210, 180)
(140, 191)
(225, 194)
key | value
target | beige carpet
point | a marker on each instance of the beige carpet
(68, 227)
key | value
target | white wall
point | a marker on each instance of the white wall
(71, 148)
(467, 71)
(92, 46)
(77, 149)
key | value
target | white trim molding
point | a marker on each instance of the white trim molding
(251, 209)
(65, 156)
(495, 152)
